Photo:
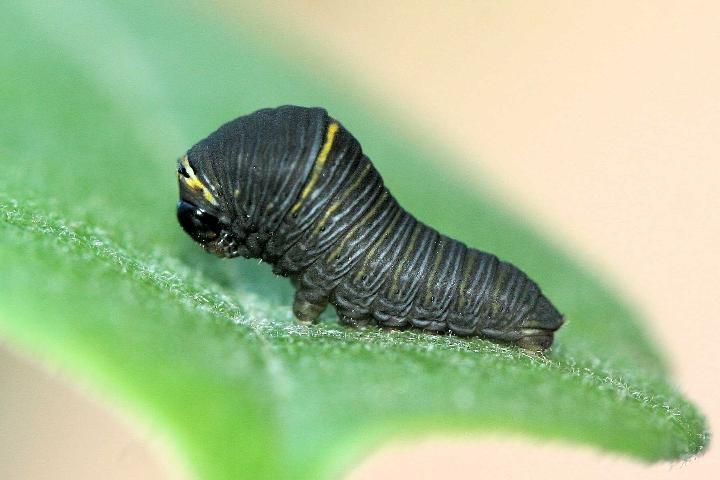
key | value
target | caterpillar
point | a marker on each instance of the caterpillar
(291, 186)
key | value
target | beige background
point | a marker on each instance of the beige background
(599, 119)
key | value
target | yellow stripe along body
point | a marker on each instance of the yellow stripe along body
(317, 168)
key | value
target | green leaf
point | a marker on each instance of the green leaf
(99, 99)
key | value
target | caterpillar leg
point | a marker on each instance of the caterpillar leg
(537, 343)
(393, 322)
(307, 307)
(352, 317)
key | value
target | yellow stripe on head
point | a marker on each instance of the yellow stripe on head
(193, 182)
(317, 168)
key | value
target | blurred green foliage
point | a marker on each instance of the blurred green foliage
(99, 99)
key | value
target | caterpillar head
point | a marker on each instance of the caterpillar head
(200, 214)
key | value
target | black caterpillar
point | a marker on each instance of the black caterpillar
(291, 186)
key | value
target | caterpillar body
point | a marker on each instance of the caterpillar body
(291, 186)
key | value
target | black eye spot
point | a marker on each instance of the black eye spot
(200, 225)
(183, 172)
